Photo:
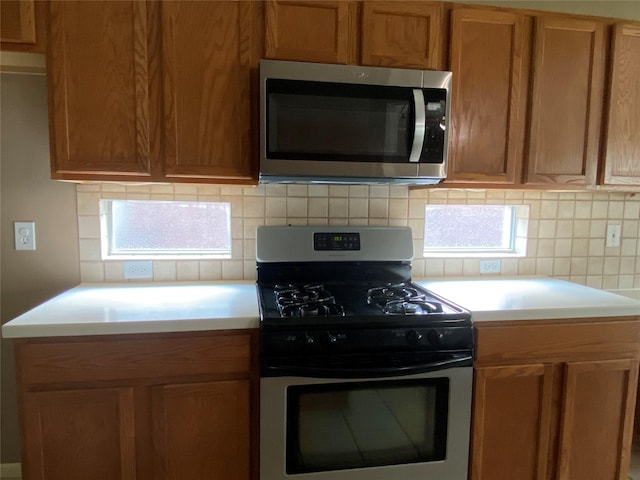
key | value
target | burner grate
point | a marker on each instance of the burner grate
(306, 301)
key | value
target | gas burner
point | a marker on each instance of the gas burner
(306, 301)
(417, 306)
(381, 296)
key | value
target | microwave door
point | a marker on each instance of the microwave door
(419, 127)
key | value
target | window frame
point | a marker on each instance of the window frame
(106, 237)
(517, 232)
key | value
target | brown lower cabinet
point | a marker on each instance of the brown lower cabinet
(552, 401)
(159, 406)
(555, 401)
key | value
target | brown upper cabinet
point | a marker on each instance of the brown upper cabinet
(311, 31)
(99, 82)
(207, 90)
(22, 26)
(528, 99)
(392, 34)
(566, 101)
(489, 61)
(402, 34)
(132, 98)
(621, 159)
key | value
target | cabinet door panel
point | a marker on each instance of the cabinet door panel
(489, 85)
(210, 50)
(597, 421)
(79, 434)
(311, 31)
(622, 140)
(99, 101)
(17, 22)
(201, 430)
(511, 422)
(402, 34)
(566, 101)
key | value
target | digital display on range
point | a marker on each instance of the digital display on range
(336, 241)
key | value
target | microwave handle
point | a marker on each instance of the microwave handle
(420, 126)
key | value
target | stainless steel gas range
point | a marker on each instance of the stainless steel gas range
(364, 374)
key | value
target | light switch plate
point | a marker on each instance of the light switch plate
(613, 234)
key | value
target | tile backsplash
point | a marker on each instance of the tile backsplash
(566, 232)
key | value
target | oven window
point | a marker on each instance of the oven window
(366, 424)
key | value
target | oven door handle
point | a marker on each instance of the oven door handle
(345, 372)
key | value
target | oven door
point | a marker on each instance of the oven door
(413, 427)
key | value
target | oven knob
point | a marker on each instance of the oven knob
(434, 337)
(331, 337)
(413, 337)
(309, 339)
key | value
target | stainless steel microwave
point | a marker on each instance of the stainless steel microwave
(322, 123)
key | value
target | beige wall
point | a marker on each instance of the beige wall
(28, 193)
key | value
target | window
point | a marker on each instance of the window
(475, 230)
(163, 229)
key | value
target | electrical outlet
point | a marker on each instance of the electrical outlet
(138, 269)
(613, 235)
(25, 235)
(489, 266)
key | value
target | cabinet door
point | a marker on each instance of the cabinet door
(622, 140)
(322, 31)
(98, 89)
(79, 434)
(18, 26)
(201, 430)
(597, 423)
(402, 34)
(210, 51)
(566, 101)
(512, 417)
(488, 61)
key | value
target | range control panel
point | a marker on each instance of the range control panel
(336, 241)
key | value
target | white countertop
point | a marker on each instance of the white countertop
(103, 309)
(537, 298)
(100, 309)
